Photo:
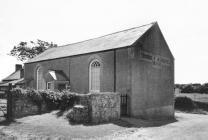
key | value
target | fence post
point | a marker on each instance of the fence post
(9, 103)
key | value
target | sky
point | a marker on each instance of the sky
(183, 24)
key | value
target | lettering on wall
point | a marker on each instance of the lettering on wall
(155, 59)
(131, 53)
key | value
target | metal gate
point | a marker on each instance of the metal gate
(124, 104)
(6, 105)
(3, 108)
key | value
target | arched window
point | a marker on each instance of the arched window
(38, 78)
(94, 75)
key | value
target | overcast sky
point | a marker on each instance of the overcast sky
(184, 24)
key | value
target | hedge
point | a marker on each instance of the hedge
(184, 103)
(53, 100)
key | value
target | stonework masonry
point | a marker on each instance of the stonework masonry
(92, 107)
(101, 107)
(23, 106)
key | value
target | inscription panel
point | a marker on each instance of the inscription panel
(155, 59)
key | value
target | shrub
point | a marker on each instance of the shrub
(53, 100)
(193, 88)
(184, 103)
(188, 89)
(32, 94)
(67, 99)
(50, 98)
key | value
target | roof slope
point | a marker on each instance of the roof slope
(112, 41)
(14, 82)
(14, 76)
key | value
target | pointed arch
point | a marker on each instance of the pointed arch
(38, 78)
(94, 75)
(40, 81)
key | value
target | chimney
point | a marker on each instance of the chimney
(18, 67)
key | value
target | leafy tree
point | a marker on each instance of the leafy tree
(187, 89)
(27, 50)
(193, 88)
(204, 88)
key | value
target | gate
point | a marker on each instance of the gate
(9, 103)
(124, 103)
(3, 108)
(6, 105)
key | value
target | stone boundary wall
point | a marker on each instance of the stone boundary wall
(105, 107)
(23, 106)
(91, 107)
(101, 107)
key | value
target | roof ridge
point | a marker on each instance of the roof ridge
(107, 34)
(113, 40)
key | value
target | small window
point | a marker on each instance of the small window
(61, 87)
(49, 86)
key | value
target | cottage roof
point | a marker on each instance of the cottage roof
(14, 82)
(111, 41)
(14, 76)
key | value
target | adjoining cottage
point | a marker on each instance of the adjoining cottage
(136, 62)
(16, 79)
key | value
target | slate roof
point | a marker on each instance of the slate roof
(111, 41)
(14, 82)
(14, 76)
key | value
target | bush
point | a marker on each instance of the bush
(193, 88)
(184, 103)
(50, 98)
(187, 89)
(67, 100)
(32, 94)
(53, 100)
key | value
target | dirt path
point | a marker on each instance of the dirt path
(187, 127)
(48, 126)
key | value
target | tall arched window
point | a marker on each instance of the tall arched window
(94, 75)
(38, 78)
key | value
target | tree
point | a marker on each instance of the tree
(204, 88)
(27, 50)
(187, 89)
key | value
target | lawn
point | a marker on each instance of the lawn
(195, 96)
(53, 126)
(49, 126)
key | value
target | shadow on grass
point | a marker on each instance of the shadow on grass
(199, 108)
(60, 113)
(201, 105)
(186, 104)
(131, 123)
(127, 122)
(7, 122)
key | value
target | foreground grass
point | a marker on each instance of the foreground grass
(49, 126)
